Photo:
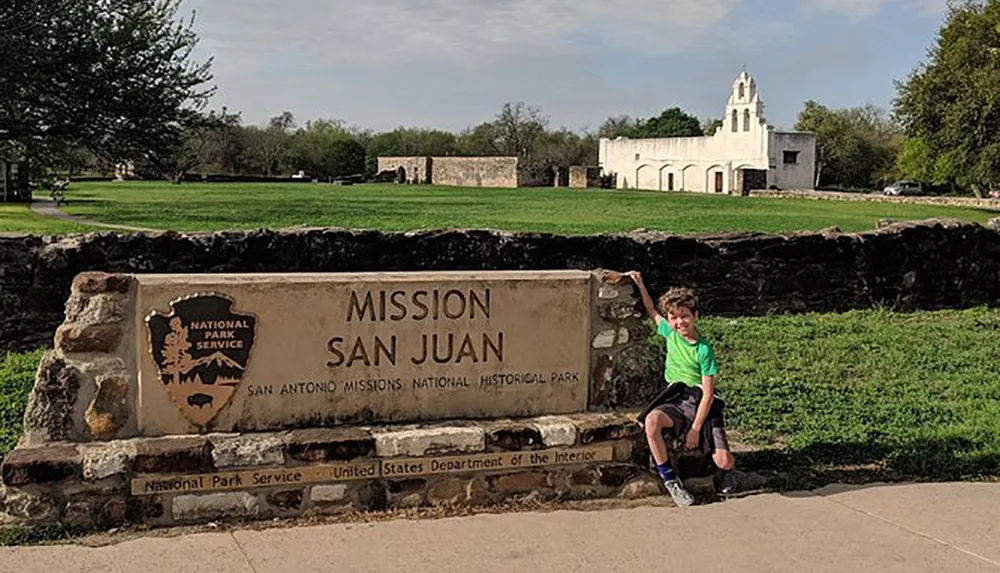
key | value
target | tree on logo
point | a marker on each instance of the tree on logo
(176, 359)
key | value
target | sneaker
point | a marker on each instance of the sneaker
(728, 484)
(677, 492)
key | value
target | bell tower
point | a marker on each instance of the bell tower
(745, 110)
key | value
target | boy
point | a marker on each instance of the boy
(690, 365)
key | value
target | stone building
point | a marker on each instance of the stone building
(503, 172)
(745, 153)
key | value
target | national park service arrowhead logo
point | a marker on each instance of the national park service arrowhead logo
(201, 350)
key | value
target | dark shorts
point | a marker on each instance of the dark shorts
(682, 412)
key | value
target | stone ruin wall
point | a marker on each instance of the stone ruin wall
(584, 177)
(499, 172)
(418, 169)
(930, 265)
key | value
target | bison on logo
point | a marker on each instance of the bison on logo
(201, 350)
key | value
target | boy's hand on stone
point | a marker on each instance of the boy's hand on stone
(635, 276)
(691, 440)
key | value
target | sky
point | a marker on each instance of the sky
(451, 64)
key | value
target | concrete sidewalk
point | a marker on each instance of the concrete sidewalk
(46, 207)
(927, 527)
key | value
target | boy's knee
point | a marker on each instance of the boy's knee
(724, 460)
(657, 421)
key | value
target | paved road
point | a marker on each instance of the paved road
(46, 207)
(905, 528)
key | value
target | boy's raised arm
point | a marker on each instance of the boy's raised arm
(646, 300)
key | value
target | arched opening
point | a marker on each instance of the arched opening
(668, 180)
(736, 121)
(715, 179)
(689, 178)
(746, 120)
(647, 177)
(742, 91)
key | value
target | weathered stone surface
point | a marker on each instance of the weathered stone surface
(96, 309)
(328, 493)
(512, 437)
(619, 311)
(74, 338)
(993, 224)
(556, 431)
(78, 515)
(109, 411)
(371, 496)
(623, 336)
(586, 476)
(34, 508)
(286, 499)
(144, 509)
(430, 441)
(636, 376)
(98, 282)
(617, 475)
(214, 506)
(408, 501)
(732, 272)
(640, 487)
(605, 339)
(448, 491)
(608, 293)
(247, 451)
(48, 416)
(42, 465)
(601, 381)
(330, 445)
(522, 482)
(173, 455)
(113, 513)
(607, 427)
(106, 460)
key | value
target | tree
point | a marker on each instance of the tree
(270, 148)
(518, 129)
(113, 76)
(949, 102)
(672, 122)
(855, 147)
(709, 125)
(203, 138)
(176, 359)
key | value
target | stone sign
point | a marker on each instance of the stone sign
(261, 352)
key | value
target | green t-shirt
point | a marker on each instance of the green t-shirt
(686, 362)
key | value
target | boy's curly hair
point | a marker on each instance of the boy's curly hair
(679, 297)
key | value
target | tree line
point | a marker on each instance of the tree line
(90, 85)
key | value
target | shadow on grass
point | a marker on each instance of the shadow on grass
(821, 464)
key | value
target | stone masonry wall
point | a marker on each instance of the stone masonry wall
(931, 265)
(418, 169)
(584, 177)
(475, 171)
(971, 202)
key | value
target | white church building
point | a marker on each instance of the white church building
(744, 154)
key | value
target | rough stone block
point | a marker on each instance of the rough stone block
(98, 282)
(328, 493)
(173, 455)
(556, 431)
(607, 427)
(605, 339)
(78, 515)
(619, 311)
(48, 416)
(330, 445)
(521, 482)
(28, 506)
(106, 460)
(370, 496)
(512, 437)
(76, 338)
(287, 500)
(247, 451)
(109, 411)
(608, 293)
(640, 487)
(448, 491)
(408, 501)
(143, 509)
(601, 381)
(97, 309)
(617, 475)
(214, 506)
(49, 464)
(430, 441)
(993, 224)
(114, 513)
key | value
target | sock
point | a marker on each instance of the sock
(666, 472)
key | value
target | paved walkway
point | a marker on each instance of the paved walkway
(927, 527)
(46, 207)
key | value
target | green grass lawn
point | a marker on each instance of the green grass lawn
(19, 218)
(190, 207)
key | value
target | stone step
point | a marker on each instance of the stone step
(198, 478)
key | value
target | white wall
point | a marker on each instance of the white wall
(798, 175)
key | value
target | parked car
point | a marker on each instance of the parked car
(904, 188)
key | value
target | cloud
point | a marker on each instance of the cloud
(463, 32)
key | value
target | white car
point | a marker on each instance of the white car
(900, 188)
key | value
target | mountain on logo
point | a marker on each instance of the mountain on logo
(219, 360)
